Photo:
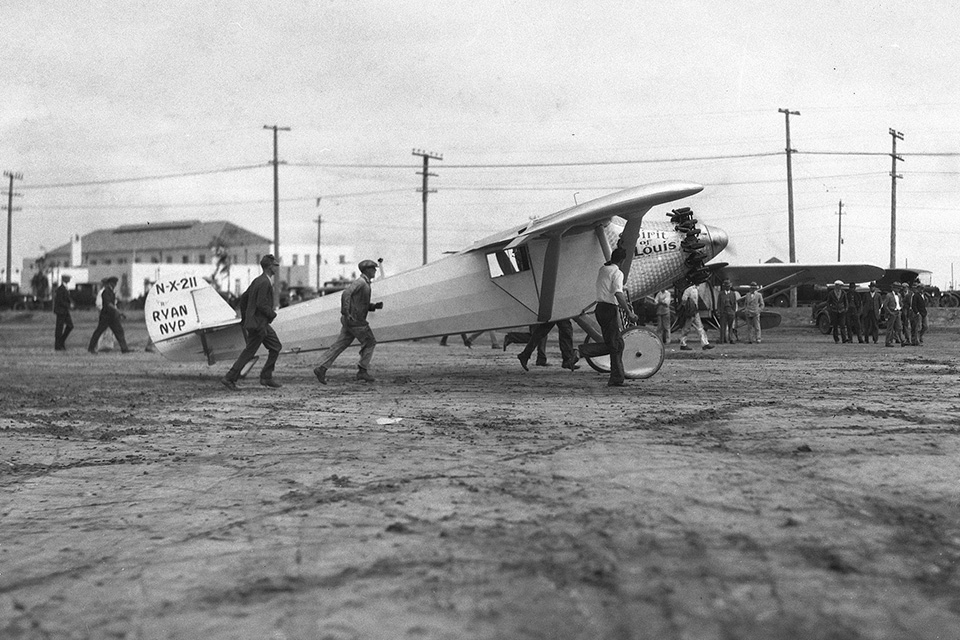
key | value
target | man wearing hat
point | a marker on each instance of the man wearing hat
(752, 306)
(837, 308)
(919, 314)
(257, 311)
(891, 309)
(109, 317)
(854, 310)
(727, 311)
(872, 307)
(61, 309)
(354, 306)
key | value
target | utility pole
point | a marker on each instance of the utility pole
(894, 176)
(10, 209)
(839, 229)
(276, 205)
(319, 220)
(793, 247)
(426, 155)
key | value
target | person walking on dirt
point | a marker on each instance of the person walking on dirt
(610, 300)
(854, 309)
(872, 308)
(257, 311)
(690, 303)
(354, 306)
(537, 339)
(664, 302)
(752, 306)
(61, 309)
(727, 302)
(110, 317)
(891, 309)
(837, 308)
(919, 314)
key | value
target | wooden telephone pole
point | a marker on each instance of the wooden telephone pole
(790, 228)
(839, 229)
(276, 205)
(426, 174)
(10, 209)
(894, 176)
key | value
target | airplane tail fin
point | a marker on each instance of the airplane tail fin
(188, 320)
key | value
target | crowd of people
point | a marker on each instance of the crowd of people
(903, 309)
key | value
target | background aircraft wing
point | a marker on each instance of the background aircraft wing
(789, 274)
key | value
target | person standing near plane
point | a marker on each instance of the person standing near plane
(727, 302)
(610, 299)
(752, 306)
(61, 309)
(538, 339)
(690, 302)
(257, 310)
(854, 309)
(919, 314)
(664, 302)
(906, 316)
(891, 309)
(354, 306)
(837, 308)
(872, 308)
(110, 317)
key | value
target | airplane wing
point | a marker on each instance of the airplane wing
(790, 274)
(630, 204)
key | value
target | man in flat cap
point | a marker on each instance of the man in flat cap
(752, 308)
(257, 311)
(61, 309)
(110, 317)
(837, 308)
(354, 306)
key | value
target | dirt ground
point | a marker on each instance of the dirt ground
(793, 489)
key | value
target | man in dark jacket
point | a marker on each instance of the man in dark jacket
(837, 308)
(871, 314)
(61, 309)
(257, 311)
(110, 317)
(354, 306)
(854, 309)
(919, 314)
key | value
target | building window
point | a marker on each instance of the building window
(295, 257)
(185, 259)
(258, 259)
(306, 259)
(93, 263)
(202, 258)
(108, 261)
(154, 260)
(169, 259)
(343, 259)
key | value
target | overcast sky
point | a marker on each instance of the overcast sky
(617, 93)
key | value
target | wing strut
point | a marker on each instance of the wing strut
(548, 284)
(628, 240)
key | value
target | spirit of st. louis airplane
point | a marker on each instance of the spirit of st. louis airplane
(543, 271)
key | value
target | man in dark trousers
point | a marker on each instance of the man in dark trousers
(871, 314)
(610, 299)
(837, 308)
(538, 336)
(854, 310)
(61, 309)
(110, 317)
(354, 307)
(257, 311)
(919, 314)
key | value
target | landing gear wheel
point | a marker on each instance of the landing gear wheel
(642, 355)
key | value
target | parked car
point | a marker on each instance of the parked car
(12, 298)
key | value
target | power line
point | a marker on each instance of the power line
(89, 183)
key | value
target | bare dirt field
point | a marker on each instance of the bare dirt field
(793, 489)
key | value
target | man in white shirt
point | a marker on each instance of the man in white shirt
(611, 298)
(690, 303)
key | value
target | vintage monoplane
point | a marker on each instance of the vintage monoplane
(538, 272)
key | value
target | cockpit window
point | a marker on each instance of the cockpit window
(508, 262)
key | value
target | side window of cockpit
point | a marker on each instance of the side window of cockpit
(508, 262)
